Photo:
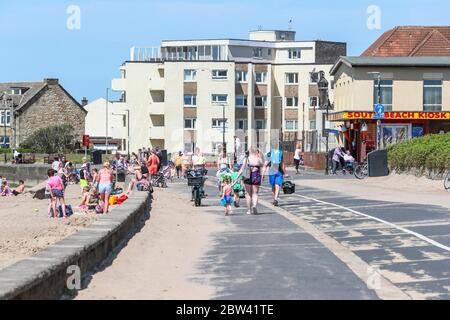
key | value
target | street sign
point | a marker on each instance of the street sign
(86, 141)
(379, 111)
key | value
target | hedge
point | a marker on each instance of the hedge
(20, 150)
(429, 153)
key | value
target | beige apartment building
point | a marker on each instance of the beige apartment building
(179, 93)
(415, 93)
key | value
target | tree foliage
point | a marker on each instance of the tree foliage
(52, 139)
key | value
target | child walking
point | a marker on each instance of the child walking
(227, 199)
(237, 185)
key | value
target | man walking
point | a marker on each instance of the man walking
(277, 172)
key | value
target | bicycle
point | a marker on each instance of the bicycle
(362, 171)
(447, 181)
(196, 180)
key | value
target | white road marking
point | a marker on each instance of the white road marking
(416, 234)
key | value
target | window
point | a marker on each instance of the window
(190, 75)
(261, 102)
(314, 77)
(190, 100)
(241, 124)
(219, 74)
(17, 91)
(291, 78)
(189, 123)
(218, 123)
(385, 94)
(4, 142)
(295, 53)
(241, 101)
(313, 102)
(260, 124)
(312, 125)
(2, 118)
(241, 76)
(257, 52)
(219, 98)
(432, 95)
(261, 77)
(291, 125)
(292, 102)
(269, 52)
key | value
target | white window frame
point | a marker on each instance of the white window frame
(441, 86)
(294, 123)
(244, 75)
(216, 123)
(315, 125)
(294, 102)
(215, 74)
(16, 91)
(193, 123)
(8, 118)
(192, 77)
(263, 100)
(295, 54)
(193, 99)
(263, 77)
(216, 101)
(311, 106)
(288, 74)
(244, 124)
(245, 100)
(261, 121)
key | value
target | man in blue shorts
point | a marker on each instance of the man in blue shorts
(277, 171)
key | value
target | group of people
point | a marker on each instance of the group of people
(250, 172)
(6, 190)
(342, 158)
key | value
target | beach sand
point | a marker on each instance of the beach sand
(26, 229)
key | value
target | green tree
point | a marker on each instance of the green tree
(53, 139)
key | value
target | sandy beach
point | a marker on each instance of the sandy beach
(26, 229)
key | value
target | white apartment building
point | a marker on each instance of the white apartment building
(178, 93)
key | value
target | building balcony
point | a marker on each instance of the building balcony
(156, 132)
(119, 85)
(157, 108)
(156, 84)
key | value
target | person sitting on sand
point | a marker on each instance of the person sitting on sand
(85, 199)
(20, 188)
(5, 189)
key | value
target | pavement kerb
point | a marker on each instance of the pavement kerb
(386, 290)
(45, 275)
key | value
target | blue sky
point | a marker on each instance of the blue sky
(36, 44)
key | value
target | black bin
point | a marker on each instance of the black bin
(121, 176)
(378, 163)
(96, 157)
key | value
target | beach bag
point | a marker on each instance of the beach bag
(241, 194)
(99, 209)
(69, 211)
(288, 187)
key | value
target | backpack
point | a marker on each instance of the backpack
(276, 156)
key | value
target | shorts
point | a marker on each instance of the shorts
(84, 183)
(276, 179)
(254, 180)
(227, 200)
(58, 193)
(105, 188)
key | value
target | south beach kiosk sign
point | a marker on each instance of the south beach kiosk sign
(393, 115)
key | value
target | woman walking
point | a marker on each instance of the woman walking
(105, 179)
(298, 157)
(253, 163)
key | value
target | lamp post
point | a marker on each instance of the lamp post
(107, 115)
(224, 143)
(378, 75)
(324, 103)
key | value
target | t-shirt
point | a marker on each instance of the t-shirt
(55, 165)
(144, 170)
(178, 160)
(238, 185)
(55, 182)
(198, 160)
(298, 154)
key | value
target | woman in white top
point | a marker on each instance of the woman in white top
(223, 162)
(297, 157)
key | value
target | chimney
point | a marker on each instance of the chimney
(84, 102)
(51, 81)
